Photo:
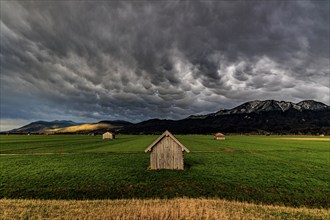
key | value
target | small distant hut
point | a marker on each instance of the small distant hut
(321, 135)
(219, 136)
(108, 135)
(166, 153)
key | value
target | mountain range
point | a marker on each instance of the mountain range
(269, 105)
(269, 116)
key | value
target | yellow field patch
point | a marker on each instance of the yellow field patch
(135, 209)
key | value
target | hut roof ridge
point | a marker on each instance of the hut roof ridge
(219, 133)
(166, 133)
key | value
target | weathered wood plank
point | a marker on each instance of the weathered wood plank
(167, 153)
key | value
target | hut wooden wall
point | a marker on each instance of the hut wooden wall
(167, 154)
(108, 136)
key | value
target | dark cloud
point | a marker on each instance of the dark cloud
(135, 60)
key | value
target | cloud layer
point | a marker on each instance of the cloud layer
(136, 60)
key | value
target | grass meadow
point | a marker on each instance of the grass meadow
(269, 170)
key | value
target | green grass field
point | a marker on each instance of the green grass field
(261, 169)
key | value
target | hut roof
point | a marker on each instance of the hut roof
(108, 132)
(219, 135)
(165, 134)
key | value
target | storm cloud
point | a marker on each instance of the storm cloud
(135, 60)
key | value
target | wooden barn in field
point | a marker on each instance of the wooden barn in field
(219, 136)
(166, 153)
(108, 135)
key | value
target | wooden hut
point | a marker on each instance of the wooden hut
(219, 136)
(166, 153)
(108, 135)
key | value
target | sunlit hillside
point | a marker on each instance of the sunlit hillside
(82, 127)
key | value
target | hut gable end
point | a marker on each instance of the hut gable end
(166, 134)
(219, 136)
(108, 135)
(166, 153)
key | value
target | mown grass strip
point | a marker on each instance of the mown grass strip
(179, 209)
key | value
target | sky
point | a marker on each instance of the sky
(135, 60)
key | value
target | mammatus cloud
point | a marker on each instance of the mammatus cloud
(137, 60)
